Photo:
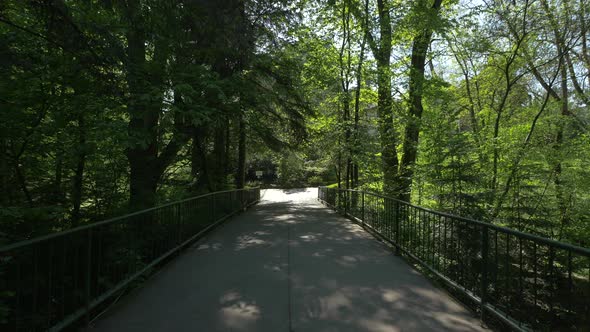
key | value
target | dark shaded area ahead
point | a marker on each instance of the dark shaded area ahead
(288, 264)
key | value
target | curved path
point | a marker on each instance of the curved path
(288, 264)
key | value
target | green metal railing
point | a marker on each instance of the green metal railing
(50, 282)
(526, 281)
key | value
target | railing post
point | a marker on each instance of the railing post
(88, 271)
(397, 228)
(484, 269)
(335, 194)
(346, 202)
(332, 193)
(363, 207)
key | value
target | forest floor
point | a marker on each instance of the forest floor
(288, 264)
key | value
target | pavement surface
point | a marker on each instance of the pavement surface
(288, 264)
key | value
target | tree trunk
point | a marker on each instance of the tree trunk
(79, 172)
(564, 62)
(227, 149)
(559, 191)
(142, 182)
(4, 193)
(338, 175)
(199, 165)
(58, 195)
(218, 173)
(357, 99)
(387, 135)
(345, 69)
(23, 182)
(241, 170)
(142, 153)
(412, 131)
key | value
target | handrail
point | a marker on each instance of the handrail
(533, 237)
(22, 243)
(53, 281)
(525, 281)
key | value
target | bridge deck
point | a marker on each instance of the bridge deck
(288, 264)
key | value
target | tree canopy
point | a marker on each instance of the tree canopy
(478, 108)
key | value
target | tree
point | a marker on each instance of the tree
(420, 46)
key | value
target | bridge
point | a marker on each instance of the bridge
(293, 260)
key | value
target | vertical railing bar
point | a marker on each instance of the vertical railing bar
(435, 238)
(422, 224)
(375, 212)
(461, 258)
(588, 286)
(397, 229)
(428, 219)
(535, 274)
(363, 207)
(419, 245)
(484, 270)
(379, 206)
(444, 244)
(569, 277)
(434, 219)
(439, 243)
(411, 229)
(49, 283)
(494, 284)
(389, 223)
(418, 248)
(427, 234)
(400, 226)
(35, 276)
(520, 274)
(383, 219)
(213, 209)
(403, 215)
(75, 274)
(406, 215)
(63, 275)
(453, 252)
(432, 238)
(345, 202)
(177, 215)
(508, 283)
(88, 271)
(552, 290)
(18, 294)
(441, 236)
(406, 225)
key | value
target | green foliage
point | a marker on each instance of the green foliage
(76, 82)
(283, 90)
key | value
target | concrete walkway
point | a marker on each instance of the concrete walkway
(288, 264)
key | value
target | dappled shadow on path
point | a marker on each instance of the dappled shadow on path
(290, 264)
